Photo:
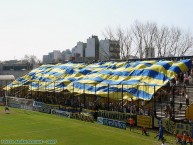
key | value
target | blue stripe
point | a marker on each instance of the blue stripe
(54, 73)
(166, 65)
(42, 79)
(106, 72)
(150, 73)
(68, 69)
(112, 82)
(96, 79)
(123, 73)
(135, 92)
(144, 72)
(84, 71)
(175, 69)
(187, 62)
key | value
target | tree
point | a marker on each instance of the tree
(31, 59)
(137, 28)
(124, 39)
(162, 41)
(166, 41)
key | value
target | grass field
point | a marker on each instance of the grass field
(29, 125)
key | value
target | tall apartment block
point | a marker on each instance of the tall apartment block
(92, 49)
(52, 57)
(109, 49)
(78, 52)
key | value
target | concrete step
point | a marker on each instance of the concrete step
(179, 115)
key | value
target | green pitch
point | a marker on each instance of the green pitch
(20, 125)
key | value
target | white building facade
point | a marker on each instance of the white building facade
(92, 49)
(109, 49)
(67, 55)
(52, 57)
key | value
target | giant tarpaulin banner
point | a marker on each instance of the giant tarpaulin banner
(107, 79)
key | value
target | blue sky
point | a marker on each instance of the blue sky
(41, 26)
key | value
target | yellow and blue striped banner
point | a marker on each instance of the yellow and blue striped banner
(113, 79)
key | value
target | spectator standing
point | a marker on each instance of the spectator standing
(190, 78)
(161, 133)
(144, 131)
(178, 138)
(187, 99)
(171, 101)
(184, 137)
(186, 79)
(181, 77)
(142, 103)
(189, 139)
(172, 82)
(6, 108)
(131, 123)
(141, 111)
(177, 79)
(167, 111)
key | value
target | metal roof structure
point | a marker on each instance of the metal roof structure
(7, 77)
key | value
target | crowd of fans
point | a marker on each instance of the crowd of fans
(184, 138)
(174, 87)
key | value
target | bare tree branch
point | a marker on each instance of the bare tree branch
(167, 41)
